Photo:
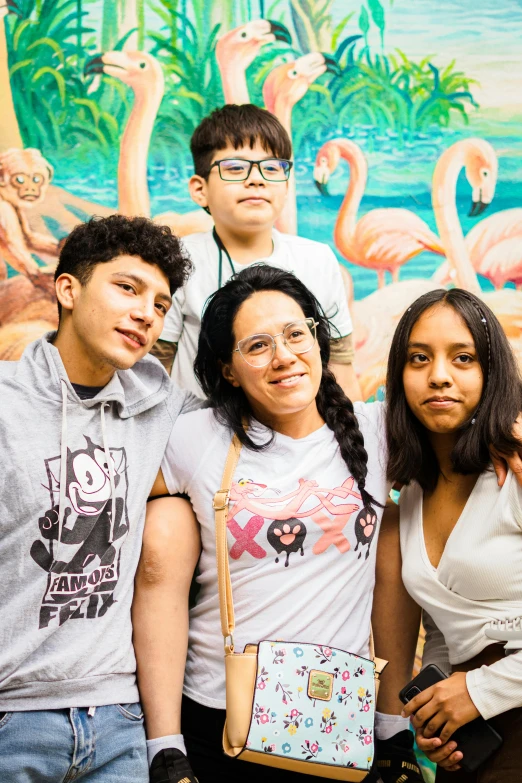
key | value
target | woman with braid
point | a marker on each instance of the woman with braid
(306, 501)
(453, 393)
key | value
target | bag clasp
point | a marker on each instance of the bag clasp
(320, 685)
(221, 499)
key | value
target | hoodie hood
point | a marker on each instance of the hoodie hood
(133, 391)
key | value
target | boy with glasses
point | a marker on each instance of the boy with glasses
(242, 165)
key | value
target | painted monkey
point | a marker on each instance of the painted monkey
(24, 178)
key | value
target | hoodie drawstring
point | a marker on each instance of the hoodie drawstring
(63, 467)
(110, 468)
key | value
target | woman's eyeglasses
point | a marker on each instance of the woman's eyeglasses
(239, 169)
(259, 349)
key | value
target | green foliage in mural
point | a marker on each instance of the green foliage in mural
(50, 41)
(185, 49)
(42, 40)
(392, 93)
(48, 45)
(389, 93)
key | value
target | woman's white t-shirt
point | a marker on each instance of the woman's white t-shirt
(302, 563)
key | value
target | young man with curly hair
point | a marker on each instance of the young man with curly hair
(84, 422)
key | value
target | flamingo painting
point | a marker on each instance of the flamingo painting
(283, 88)
(495, 247)
(143, 74)
(238, 48)
(376, 316)
(10, 132)
(478, 157)
(480, 161)
(383, 239)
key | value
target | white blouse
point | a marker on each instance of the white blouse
(477, 584)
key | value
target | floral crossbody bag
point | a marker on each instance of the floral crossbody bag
(307, 708)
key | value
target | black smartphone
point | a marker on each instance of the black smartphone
(476, 740)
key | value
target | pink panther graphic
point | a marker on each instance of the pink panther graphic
(287, 532)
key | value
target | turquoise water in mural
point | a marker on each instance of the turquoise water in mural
(397, 178)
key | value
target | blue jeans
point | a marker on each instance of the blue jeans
(58, 746)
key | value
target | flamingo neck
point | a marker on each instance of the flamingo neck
(10, 136)
(234, 84)
(133, 190)
(287, 221)
(283, 111)
(444, 201)
(232, 69)
(347, 218)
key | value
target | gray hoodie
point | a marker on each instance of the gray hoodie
(74, 479)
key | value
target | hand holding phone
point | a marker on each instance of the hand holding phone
(476, 739)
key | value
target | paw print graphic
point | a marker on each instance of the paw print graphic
(287, 536)
(365, 526)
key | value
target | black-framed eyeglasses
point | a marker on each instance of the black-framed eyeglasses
(239, 169)
(258, 350)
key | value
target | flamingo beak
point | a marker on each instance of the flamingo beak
(280, 32)
(94, 65)
(332, 66)
(477, 208)
(322, 187)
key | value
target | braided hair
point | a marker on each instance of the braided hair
(337, 411)
(230, 404)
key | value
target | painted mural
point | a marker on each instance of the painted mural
(406, 120)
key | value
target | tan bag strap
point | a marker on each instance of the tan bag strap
(220, 506)
(226, 603)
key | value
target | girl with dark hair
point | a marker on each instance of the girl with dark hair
(305, 506)
(453, 393)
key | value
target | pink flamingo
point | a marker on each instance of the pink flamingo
(384, 239)
(494, 245)
(143, 74)
(283, 88)
(10, 133)
(478, 157)
(238, 48)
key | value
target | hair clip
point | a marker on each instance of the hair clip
(473, 421)
(483, 320)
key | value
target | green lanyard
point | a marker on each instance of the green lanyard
(222, 249)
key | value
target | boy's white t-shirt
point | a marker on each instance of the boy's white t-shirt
(314, 263)
(302, 565)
